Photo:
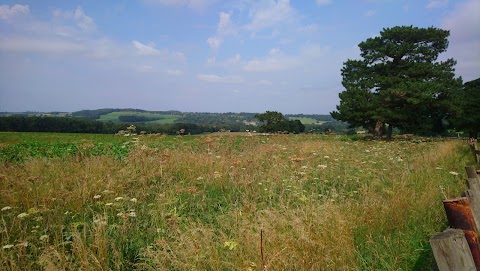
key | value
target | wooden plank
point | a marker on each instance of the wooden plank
(451, 251)
(459, 216)
(474, 198)
(471, 172)
(474, 184)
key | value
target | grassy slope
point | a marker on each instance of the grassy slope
(322, 203)
(113, 116)
(308, 120)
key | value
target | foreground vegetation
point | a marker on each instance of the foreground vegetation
(205, 202)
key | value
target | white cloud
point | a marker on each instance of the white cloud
(276, 60)
(225, 25)
(84, 22)
(464, 41)
(144, 49)
(7, 12)
(213, 78)
(214, 42)
(437, 4)
(370, 13)
(39, 45)
(323, 2)
(270, 14)
(193, 4)
(174, 72)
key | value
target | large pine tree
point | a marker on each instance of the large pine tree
(399, 81)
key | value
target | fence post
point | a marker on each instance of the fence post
(471, 172)
(451, 251)
(474, 198)
(475, 152)
(459, 216)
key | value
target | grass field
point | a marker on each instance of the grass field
(105, 202)
(308, 120)
(113, 117)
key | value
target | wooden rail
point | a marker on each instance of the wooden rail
(458, 248)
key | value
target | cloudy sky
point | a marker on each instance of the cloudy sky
(204, 55)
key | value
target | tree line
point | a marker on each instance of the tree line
(75, 125)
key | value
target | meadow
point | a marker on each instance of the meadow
(163, 118)
(225, 202)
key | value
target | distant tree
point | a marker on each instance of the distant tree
(468, 105)
(399, 82)
(275, 122)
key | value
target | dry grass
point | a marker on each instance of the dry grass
(201, 203)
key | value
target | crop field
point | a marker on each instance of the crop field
(164, 119)
(279, 202)
(308, 120)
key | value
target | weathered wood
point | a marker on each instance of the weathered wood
(474, 198)
(471, 172)
(451, 251)
(475, 152)
(474, 184)
(459, 216)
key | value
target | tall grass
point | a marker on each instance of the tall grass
(204, 202)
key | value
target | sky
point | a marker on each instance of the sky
(205, 55)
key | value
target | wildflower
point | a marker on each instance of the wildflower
(399, 159)
(454, 173)
(304, 167)
(200, 178)
(67, 213)
(108, 204)
(106, 191)
(43, 237)
(438, 168)
(6, 208)
(7, 246)
(97, 196)
(134, 200)
(132, 214)
(322, 166)
(22, 244)
(120, 214)
(22, 215)
(326, 157)
(118, 198)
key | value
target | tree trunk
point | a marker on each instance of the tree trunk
(378, 132)
(389, 131)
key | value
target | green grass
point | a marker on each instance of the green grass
(107, 202)
(113, 117)
(308, 120)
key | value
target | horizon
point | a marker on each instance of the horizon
(205, 56)
(163, 111)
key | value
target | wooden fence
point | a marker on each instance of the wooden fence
(458, 247)
(475, 150)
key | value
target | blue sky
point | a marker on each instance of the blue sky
(204, 55)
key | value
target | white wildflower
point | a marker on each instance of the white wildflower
(322, 166)
(118, 198)
(7, 246)
(6, 208)
(326, 157)
(108, 204)
(43, 237)
(134, 200)
(132, 214)
(22, 244)
(454, 173)
(97, 196)
(22, 215)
